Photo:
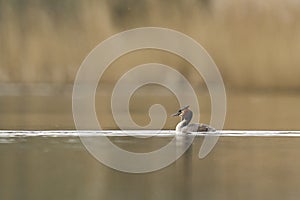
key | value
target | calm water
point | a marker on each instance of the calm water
(56, 165)
(266, 111)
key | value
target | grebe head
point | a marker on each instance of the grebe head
(181, 111)
(185, 113)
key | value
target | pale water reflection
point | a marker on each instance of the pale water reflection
(55, 165)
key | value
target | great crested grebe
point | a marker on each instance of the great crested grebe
(183, 126)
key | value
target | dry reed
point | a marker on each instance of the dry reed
(254, 43)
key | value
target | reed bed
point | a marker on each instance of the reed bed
(255, 44)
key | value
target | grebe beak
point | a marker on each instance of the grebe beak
(179, 112)
(176, 114)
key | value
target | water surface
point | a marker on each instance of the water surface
(56, 165)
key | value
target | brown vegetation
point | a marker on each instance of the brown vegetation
(254, 43)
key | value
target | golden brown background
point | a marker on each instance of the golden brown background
(255, 44)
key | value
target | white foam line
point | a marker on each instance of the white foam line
(144, 133)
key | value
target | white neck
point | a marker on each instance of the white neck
(182, 124)
(185, 120)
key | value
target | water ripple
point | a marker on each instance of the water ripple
(143, 133)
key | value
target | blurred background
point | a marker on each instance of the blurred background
(255, 44)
